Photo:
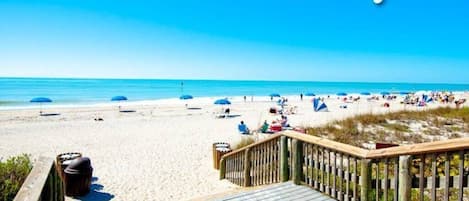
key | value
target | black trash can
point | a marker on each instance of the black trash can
(78, 177)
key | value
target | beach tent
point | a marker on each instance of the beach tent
(40, 100)
(427, 98)
(222, 102)
(319, 106)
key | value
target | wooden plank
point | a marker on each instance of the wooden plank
(347, 177)
(447, 166)
(340, 172)
(334, 174)
(247, 168)
(422, 148)
(377, 180)
(316, 165)
(422, 178)
(386, 177)
(283, 159)
(328, 170)
(404, 178)
(329, 144)
(36, 181)
(396, 183)
(461, 176)
(354, 179)
(323, 172)
(365, 180)
(296, 162)
(434, 174)
(273, 137)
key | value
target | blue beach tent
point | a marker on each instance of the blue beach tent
(319, 106)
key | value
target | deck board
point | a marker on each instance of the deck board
(286, 191)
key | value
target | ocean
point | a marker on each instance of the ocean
(18, 91)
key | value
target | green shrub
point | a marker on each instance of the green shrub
(13, 172)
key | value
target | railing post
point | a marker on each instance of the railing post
(283, 159)
(297, 153)
(405, 183)
(365, 180)
(247, 168)
(222, 168)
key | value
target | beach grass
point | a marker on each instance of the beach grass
(13, 173)
(397, 127)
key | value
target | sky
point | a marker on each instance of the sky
(425, 41)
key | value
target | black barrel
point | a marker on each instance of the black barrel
(78, 177)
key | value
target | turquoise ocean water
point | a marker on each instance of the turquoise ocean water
(18, 91)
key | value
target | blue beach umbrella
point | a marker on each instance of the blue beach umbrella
(274, 95)
(365, 93)
(222, 102)
(119, 98)
(384, 93)
(404, 93)
(186, 97)
(342, 94)
(40, 100)
(310, 94)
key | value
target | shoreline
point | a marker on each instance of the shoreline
(175, 101)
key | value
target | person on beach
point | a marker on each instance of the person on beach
(244, 98)
(243, 129)
(301, 97)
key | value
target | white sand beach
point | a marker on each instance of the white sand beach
(163, 151)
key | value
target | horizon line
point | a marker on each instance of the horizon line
(232, 80)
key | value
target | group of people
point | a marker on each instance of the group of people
(275, 126)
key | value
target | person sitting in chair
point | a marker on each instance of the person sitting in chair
(242, 128)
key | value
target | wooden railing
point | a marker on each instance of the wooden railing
(43, 183)
(427, 171)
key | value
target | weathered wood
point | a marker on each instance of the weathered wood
(405, 182)
(347, 181)
(446, 188)
(422, 177)
(340, 173)
(247, 168)
(461, 175)
(386, 177)
(42, 183)
(283, 159)
(354, 179)
(377, 186)
(329, 144)
(273, 137)
(396, 183)
(434, 174)
(222, 168)
(296, 162)
(365, 180)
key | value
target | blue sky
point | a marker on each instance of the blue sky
(311, 40)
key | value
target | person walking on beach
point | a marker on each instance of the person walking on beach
(301, 97)
(244, 98)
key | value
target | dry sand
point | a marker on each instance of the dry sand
(160, 152)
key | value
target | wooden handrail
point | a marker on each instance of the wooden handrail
(253, 145)
(414, 149)
(42, 183)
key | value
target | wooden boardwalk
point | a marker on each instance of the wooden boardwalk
(283, 191)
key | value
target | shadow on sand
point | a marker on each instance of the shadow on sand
(194, 108)
(95, 193)
(49, 114)
(127, 111)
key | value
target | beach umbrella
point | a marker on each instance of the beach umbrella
(365, 93)
(310, 94)
(186, 97)
(119, 98)
(385, 93)
(342, 94)
(40, 100)
(404, 93)
(319, 106)
(222, 102)
(274, 95)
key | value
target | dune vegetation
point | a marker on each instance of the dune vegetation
(403, 127)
